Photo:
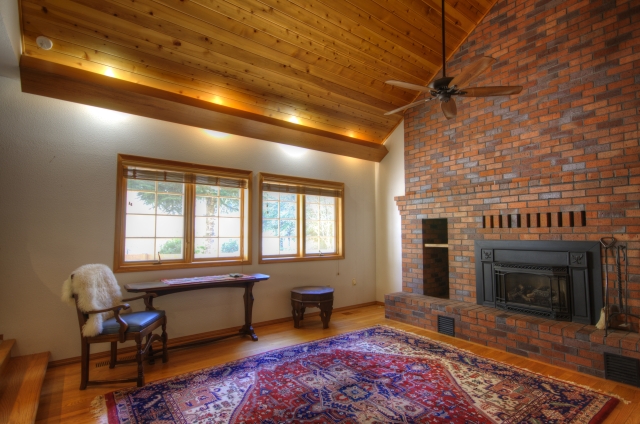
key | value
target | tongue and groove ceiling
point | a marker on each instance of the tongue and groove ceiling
(301, 72)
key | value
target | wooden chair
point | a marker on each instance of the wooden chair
(121, 328)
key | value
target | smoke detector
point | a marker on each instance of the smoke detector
(44, 43)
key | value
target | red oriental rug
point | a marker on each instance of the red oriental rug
(376, 375)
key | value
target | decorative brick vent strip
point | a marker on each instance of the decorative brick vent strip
(536, 220)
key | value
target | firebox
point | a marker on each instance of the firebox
(542, 291)
(559, 280)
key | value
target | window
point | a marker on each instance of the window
(180, 215)
(300, 219)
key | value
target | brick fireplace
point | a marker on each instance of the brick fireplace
(558, 162)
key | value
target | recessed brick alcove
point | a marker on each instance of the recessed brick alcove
(560, 161)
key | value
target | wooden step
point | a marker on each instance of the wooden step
(20, 388)
(5, 353)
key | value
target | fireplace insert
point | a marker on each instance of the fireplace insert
(541, 291)
(559, 280)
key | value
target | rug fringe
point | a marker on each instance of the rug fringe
(591, 389)
(99, 410)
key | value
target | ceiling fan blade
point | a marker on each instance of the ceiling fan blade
(408, 85)
(472, 71)
(490, 91)
(391, 112)
(449, 109)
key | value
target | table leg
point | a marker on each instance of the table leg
(248, 311)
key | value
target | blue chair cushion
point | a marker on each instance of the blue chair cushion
(137, 321)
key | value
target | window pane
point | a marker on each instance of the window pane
(206, 227)
(325, 200)
(206, 206)
(206, 190)
(270, 228)
(327, 212)
(312, 245)
(229, 192)
(269, 195)
(141, 202)
(141, 185)
(154, 221)
(327, 229)
(279, 219)
(140, 226)
(312, 228)
(139, 249)
(288, 245)
(217, 215)
(312, 211)
(169, 204)
(327, 244)
(320, 228)
(169, 248)
(229, 227)
(170, 226)
(287, 210)
(206, 248)
(288, 228)
(229, 207)
(270, 246)
(170, 187)
(270, 210)
(230, 247)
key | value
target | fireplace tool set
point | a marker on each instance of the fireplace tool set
(613, 312)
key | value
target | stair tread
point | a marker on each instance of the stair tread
(5, 352)
(20, 388)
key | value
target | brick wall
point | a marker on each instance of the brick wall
(567, 143)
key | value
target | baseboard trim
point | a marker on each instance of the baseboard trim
(204, 336)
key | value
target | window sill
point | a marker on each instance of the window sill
(300, 259)
(137, 267)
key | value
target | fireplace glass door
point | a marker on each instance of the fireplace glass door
(534, 290)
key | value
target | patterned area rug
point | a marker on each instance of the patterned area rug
(377, 375)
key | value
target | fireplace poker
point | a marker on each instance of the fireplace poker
(621, 305)
(607, 243)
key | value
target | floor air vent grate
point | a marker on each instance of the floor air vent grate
(446, 326)
(622, 369)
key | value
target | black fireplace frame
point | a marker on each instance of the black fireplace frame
(582, 260)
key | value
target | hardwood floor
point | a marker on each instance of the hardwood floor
(61, 401)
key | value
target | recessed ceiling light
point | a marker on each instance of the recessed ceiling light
(44, 43)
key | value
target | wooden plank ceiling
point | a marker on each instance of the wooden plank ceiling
(316, 66)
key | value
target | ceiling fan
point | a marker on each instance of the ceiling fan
(444, 88)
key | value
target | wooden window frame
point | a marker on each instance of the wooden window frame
(300, 230)
(188, 261)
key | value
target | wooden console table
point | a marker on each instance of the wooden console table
(163, 289)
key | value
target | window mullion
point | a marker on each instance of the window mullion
(301, 227)
(189, 222)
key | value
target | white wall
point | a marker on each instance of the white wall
(58, 187)
(9, 38)
(389, 183)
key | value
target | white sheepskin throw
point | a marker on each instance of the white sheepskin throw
(97, 288)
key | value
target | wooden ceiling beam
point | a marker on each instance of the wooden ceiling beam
(66, 83)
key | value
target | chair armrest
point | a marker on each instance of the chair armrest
(148, 300)
(116, 315)
(115, 309)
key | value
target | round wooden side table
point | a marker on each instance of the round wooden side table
(311, 297)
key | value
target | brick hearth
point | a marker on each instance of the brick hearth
(577, 347)
(559, 161)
